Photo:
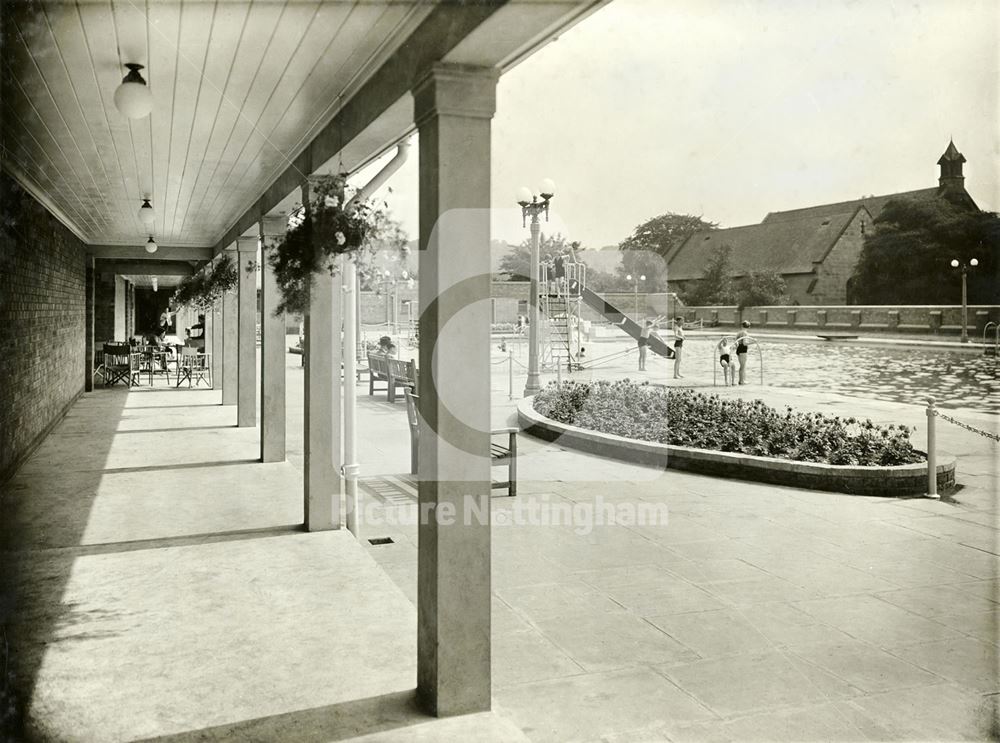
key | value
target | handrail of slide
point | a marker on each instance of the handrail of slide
(619, 319)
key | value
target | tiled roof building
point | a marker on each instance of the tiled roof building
(814, 248)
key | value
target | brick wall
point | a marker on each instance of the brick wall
(104, 308)
(42, 322)
(943, 320)
(658, 303)
(835, 270)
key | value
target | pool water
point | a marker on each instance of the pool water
(956, 379)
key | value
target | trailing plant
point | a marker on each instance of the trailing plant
(684, 417)
(204, 289)
(322, 232)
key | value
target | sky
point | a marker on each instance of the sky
(729, 110)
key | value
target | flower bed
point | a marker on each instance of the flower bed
(898, 480)
(681, 417)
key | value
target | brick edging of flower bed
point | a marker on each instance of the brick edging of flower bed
(894, 481)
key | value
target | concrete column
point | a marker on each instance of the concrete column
(230, 341)
(217, 344)
(272, 353)
(88, 360)
(453, 106)
(322, 480)
(246, 395)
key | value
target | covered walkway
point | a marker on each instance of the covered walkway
(164, 588)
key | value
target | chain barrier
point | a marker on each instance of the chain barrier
(967, 427)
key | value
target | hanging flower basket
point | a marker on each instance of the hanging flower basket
(323, 231)
(204, 289)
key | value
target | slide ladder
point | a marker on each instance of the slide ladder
(619, 319)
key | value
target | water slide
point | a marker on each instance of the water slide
(620, 319)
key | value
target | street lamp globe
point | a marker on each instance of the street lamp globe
(628, 277)
(547, 188)
(524, 195)
(974, 262)
(642, 277)
(954, 263)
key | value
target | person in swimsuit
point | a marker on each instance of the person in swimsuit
(647, 330)
(742, 339)
(678, 345)
(725, 351)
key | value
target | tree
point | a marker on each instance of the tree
(716, 284)
(906, 258)
(662, 234)
(762, 289)
(646, 250)
(604, 281)
(515, 265)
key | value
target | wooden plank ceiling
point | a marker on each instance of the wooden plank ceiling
(237, 86)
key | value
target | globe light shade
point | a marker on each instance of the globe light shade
(151, 246)
(133, 97)
(974, 262)
(642, 277)
(954, 263)
(524, 195)
(146, 213)
(547, 188)
(628, 277)
(156, 284)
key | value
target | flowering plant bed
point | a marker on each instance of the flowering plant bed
(682, 417)
(879, 480)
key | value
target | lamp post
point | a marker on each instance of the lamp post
(955, 263)
(533, 205)
(635, 290)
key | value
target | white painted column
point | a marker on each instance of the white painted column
(453, 106)
(246, 396)
(230, 341)
(322, 481)
(272, 352)
(349, 280)
(217, 344)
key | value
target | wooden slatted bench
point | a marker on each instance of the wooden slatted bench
(393, 372)
(500, 454)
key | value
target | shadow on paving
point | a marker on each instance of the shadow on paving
(317, 725)
(27, 631)
(46, 510)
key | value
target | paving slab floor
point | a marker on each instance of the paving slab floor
(162, 590)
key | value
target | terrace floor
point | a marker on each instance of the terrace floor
(163, 591)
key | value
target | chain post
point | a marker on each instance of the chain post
(931, 454)
(510, 372)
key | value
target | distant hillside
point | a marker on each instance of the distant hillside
(606, 259)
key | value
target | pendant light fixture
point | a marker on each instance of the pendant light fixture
(146, 213)
(156, 284)
(133, 97)
(151, 245)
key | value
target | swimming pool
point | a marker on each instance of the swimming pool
(956, 379)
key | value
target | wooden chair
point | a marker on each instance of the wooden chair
(500, 454)
(121, 364)
(194, 367)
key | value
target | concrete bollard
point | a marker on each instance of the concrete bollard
(931, 456)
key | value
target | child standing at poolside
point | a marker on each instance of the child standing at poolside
(678, 344)
(725, 350)
(742, 346)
